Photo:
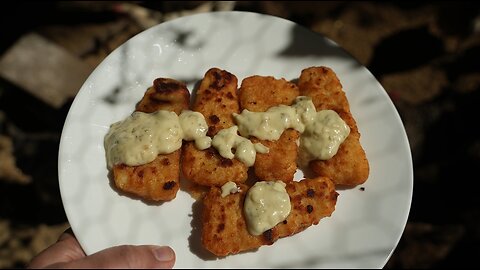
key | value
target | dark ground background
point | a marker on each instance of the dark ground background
(426, 55)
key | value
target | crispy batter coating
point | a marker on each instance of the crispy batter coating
(258, 94)
(154, 181)
(208, 168)
(159, 179)
(224, 230)
(165, 94)
(216, 99)
(349, 167)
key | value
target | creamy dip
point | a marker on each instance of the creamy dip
(141, 137)
(195, 129)
(229, 188)
(323, 136)
(269, 125)
(267, 203)
(245, 151)
(321, 132)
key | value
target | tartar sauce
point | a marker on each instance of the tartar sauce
(245, 151)
(267, 203)
(141, 137)
(195, 129)
(229, 188)
(321, 132)
(267, 125)
(270, 125)
(323, 136)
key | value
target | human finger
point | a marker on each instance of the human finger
(66, 249)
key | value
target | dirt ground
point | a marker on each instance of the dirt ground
(426, 56)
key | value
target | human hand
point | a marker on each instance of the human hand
(67, 253)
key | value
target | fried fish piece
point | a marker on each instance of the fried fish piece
(349, 167)
(165, 94)
(224, 229)
(216, 98)
(258, 94)
(159, 179)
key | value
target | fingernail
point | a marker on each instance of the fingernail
(163, 254)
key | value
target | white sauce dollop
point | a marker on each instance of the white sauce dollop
(267, 203)
(321, 132)
(229, 188)
(323, 136)
(141, 137)
(245, 151)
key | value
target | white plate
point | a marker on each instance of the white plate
(366, 225)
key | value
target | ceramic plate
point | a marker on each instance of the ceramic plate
(366, 225)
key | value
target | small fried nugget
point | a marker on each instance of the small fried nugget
(165, 94)
(325, 89)
(208, 168)
(154, 181)
(349, 167)
(216, 98)
(224, 229)
(258, 94)
(159, 179)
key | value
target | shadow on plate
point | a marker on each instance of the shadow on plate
(306, 43)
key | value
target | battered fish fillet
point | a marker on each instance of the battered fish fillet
(258, 94)
(159, 179)
(216, 99)
(349, 167)
(224, 228)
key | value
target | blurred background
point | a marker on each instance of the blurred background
(426, 55)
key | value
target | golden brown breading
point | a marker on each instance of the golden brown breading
(258, 94)
(159, 179)
(165, 94)
(224, 228)
(280, 163)
(216, 99)
(325, 89)
(349, 166)
(208, 168)
(155, 181)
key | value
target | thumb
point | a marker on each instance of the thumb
(128, 256)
